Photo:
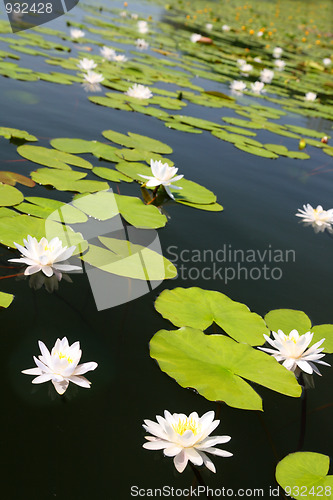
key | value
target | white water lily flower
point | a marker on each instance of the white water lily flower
(107, 53)
(134, 16)
(119, 58)
(143, 27)
(209, 26)
(141, 44)
(292, 350)
(76, 33)
(87, 64)
(139, 92)
(225, 27)
(318, 218)
(246, 69)
(257, 87)
(241, 62)
(266, 75)
(327, 61)
(45, 256)
(93, 77)
(279, 64)
(277, 52)
(195, 37)
(310, 96)
(186, 438)
(61, 366)
(260, 33)
(237, 86)
(257, 59)
(123, 13)
(163, 175)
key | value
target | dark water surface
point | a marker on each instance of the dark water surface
(88, 444)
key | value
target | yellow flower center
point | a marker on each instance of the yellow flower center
(63, 356)
(187, 424)
(292, 337)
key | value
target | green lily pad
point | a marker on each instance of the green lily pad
(52, 158)
(124, 258)
(216, 367)
(64, 180)
(183, 128)
(38, 228)
(110, 175)
(8, 133)
(11, 178)
(253, 150)
(9, 196)
(305, 475)
(199, 308)
(306, 131)
(6, 299)
(47, 208)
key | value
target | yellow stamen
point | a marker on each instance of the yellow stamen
(187, 424)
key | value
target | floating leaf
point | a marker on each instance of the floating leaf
(110, 175)
(52, 158)
(46, 208)
(200, 308)
(38, 228)
(127, 259)
(306, 131)
(9, 196)
(8, 133)
(11, 178)
(253, 150)
(216, 367)
(305, 475)
(6, 299)
(288, 320)
(64, 180)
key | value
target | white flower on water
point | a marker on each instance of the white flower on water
(186, 438)
(277, 52)
(266, 75)
(209, 26)
(257, 87)
(241, 62)
(143, 27)
(139, 91)
(237, 86)
(292, 351)
(246, 69)
(92, 81)
(163, 175)
(76, 33)
(61, 366)
(123, 13)
(318, 218)
(107, 53)
(327, 61)
(134, 16)
(279, 64)
(45, 256)
(93, 77)
(87, 64)
(310, 96)
(257, 59)
(260, 33)
(119, 58)
(195, 37)
(225, 27)
(141, 44)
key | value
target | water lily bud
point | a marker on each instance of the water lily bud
(324, 139)
(301, 144)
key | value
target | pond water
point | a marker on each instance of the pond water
(88, 444)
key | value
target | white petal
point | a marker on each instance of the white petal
(207, 462)
(180, 461)
(67, 267)
(45, 377)
(32, 371)
(219, 453)
(60, 387)
(194, 456)
(212, 441)
(32, 270)
(85, 367)
(81, 381)
(305, 366)
(156, 445)
(172, 451)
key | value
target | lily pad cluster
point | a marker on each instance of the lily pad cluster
(218, 365)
